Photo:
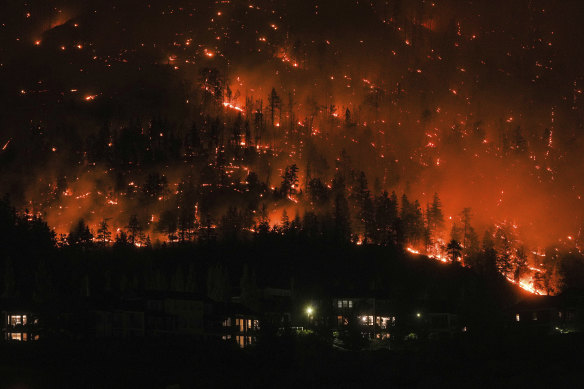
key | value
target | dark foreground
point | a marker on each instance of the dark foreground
(301, 362)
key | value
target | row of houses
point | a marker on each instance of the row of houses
(174, 314)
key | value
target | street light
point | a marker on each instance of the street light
(309, 312)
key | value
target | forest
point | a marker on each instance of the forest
(233, 122)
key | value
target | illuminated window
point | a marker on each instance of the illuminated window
(15, 336)
(383, 322)
(227, 322)
(350, 303)
(517, 317)
(240, 341)
(340, 303)
(17, 320)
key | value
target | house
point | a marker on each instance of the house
(20, 320)
(152, 314)
(373, 315)
(238, 323)
(563, 313)
(177, 313)
(120, 319)
(538, 314)
(275, 305)
(158, 314)
(434, 319)
(443, 324)
(20, 326)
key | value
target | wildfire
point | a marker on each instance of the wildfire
(439, 257)
(526, 285)
(311, 128)
(231, 106)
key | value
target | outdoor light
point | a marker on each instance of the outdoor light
(309, 310)
(418, 314)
